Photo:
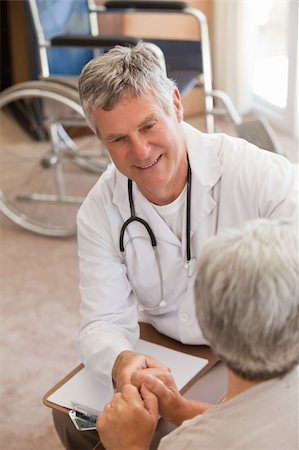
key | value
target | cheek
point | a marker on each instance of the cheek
(169, 130)
(119, 158)
(162, 138)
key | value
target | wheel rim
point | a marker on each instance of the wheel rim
(43, 178)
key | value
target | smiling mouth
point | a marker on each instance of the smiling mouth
(150, 164)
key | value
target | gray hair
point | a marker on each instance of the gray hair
(247, 297)
(106, 78)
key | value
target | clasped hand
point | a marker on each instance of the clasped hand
(146, 389)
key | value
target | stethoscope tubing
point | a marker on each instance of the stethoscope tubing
(134, 218)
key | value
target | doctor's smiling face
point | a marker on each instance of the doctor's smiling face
(146, 143)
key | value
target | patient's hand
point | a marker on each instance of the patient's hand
(129, 420)
(172, 405)
(140, 375)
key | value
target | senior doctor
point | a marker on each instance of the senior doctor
(137, 113)
(143, 225)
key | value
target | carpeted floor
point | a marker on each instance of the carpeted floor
(39, 323)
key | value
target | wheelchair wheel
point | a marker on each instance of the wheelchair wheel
(52, 158)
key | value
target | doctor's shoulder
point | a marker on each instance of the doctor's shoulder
(240, 156)
(264, 181)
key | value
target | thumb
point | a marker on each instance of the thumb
(150, 401)
(157, 387)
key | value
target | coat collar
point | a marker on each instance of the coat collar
(203, 150)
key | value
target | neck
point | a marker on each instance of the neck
(236, 385)
(165, 194)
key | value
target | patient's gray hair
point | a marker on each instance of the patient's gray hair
(247, 297)
(123, 69)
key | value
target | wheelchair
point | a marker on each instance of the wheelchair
(55, 159)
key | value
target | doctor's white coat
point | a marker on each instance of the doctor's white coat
(232, 182)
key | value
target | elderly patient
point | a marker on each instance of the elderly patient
(247, 304)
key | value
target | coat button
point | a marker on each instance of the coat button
(184, 317)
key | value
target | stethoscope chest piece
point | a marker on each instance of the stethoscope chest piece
(191, 267)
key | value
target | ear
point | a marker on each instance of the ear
(178, 107)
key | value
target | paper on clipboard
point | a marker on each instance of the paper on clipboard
(84, 389)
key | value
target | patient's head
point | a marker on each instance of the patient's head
(107, 77)
(247, 298)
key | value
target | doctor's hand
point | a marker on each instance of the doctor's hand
(128, 422)
(128, 362)
(173, 407)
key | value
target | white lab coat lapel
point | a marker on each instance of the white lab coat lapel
(206, 171)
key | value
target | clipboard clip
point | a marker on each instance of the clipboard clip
(83, 417)
(84, 409)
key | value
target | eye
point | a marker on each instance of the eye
(116, 139)
(148, 126)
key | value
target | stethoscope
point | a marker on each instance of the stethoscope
(135, 218)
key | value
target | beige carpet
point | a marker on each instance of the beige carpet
(39, 324)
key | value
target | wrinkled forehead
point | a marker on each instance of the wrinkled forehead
(129, 113)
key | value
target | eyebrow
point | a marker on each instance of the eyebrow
(111, 137)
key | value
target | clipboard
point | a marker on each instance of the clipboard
(149, 334)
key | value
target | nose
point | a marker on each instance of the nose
(140, 148)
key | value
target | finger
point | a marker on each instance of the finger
(156, 386)
(139, 376)
(150, 401)
(107, 406)
(131, 394)
(115, 399)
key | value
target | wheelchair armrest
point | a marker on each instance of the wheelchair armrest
(92, 41)
(145, 4)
